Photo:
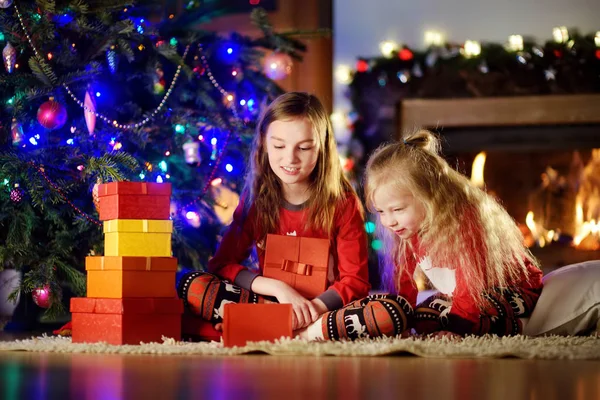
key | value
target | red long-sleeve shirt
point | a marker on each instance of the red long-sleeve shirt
(348, 273)
(465, 317)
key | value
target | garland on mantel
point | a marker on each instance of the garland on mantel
(521, 67)
(570, 64)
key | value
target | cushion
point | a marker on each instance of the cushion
(569, 303)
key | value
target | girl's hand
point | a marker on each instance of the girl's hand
(305, 312)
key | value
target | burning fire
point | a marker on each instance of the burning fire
(587, 206)
(587, 233)
(477, 170)
(540, 235)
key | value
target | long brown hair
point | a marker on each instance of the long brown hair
(464, 228)
(327, 182)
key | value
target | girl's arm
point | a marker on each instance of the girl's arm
(350, 244)
(305, 311)
(234, 248)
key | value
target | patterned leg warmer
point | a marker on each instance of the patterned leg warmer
(205, 295)
(373, 316)
(431, 314)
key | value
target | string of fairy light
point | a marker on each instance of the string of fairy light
(217, 160)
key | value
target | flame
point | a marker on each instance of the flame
(540, 235)
(530, 222)
(587, 207)
(583, 228)
(477, 170)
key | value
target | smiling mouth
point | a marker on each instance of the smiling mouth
(290, 169)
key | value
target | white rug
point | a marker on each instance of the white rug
(551, 347)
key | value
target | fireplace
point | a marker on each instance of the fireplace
(535, 155)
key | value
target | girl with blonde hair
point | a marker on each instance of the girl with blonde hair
(431, 217)
(295, 186)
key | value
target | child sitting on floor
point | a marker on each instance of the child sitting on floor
(431, 217)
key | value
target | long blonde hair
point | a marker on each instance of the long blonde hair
(327, 182)
(464, 228)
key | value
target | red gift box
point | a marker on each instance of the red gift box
(125, 321)
(134, 200)
(244, 323)
(300, 262)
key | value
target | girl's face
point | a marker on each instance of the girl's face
(398, 211)
(292, 149)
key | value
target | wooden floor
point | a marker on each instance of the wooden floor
(86, 376)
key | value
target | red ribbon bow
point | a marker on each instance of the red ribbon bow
(296, 267)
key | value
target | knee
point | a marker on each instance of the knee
(195, 283)
(392, 314)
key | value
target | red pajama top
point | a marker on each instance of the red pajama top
(465, 317)
(348, 278)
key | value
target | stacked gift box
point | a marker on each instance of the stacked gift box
(302, 263)
(131, 295)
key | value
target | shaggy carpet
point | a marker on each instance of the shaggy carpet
(550, 347)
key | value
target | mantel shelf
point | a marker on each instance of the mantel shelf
(499, 111)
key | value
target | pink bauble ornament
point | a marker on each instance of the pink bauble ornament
(52, 115)
(41, 296)
(277, 65)
(90, 116)
(16, 194)
(5, 3)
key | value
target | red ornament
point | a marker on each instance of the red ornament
(199, 70)
(405, 54)
(598, 54)
(558, 53)
(41, 296)
(362, 66)
(52, 115)
(349, 165)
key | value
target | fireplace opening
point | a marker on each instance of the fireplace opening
(538, 155)
(552, 193)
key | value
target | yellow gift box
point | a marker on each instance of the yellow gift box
(137, 237)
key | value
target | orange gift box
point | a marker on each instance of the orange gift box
(123, 277)
(198, 328)
(125, 321)
(244, 323)
(300, 262)
(134, 200)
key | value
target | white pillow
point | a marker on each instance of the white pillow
(569, 303)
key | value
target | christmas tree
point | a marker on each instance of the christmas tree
(99, 91)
